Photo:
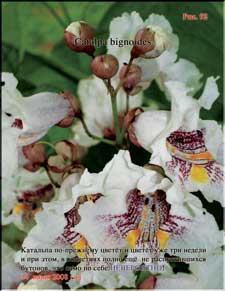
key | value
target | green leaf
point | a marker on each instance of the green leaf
(40, 74)
(13, 236)
(18, 29)
(75, 64)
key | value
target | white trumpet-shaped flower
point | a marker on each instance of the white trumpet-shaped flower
(139, 208)
(26, 119)
(163, 68)
(186, 146)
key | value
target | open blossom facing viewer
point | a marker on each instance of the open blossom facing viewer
(145, 210)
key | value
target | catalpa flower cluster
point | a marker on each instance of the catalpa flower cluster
(156, 206)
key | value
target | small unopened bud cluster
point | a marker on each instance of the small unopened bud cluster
(65, 162)
(78, 36)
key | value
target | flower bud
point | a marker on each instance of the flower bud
(150, 42)
(56, 164)
(34, 152)
(74, 109)
(130, 77)
(127, 123)
(66, 122)
(105, 66)
(69, 150)
(78, 37)
(144, 42)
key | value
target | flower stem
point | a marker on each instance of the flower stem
(128, 66)
(94, 136)
(113, 94)
(127, 102)
(50, 177)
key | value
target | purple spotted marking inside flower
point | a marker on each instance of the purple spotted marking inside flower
(18, 123)
(39, 194)
(152, 211)
(190, 142)
(30, 201)
(187, 149)
(73, 218)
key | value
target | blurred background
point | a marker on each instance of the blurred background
(34, 51)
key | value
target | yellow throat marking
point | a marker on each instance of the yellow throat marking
(198, 174)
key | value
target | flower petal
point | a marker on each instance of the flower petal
(9, 152)
(160, 21)
(123, 28)
(209, 273)
(213, 138)
(106, 279)
(176, 281)
(194, 228)
(50, 226)
(210, 93)
(42, 111)
(112, 185)
(11, 273)
(183, 71)
(158, 121)
(185, 109)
